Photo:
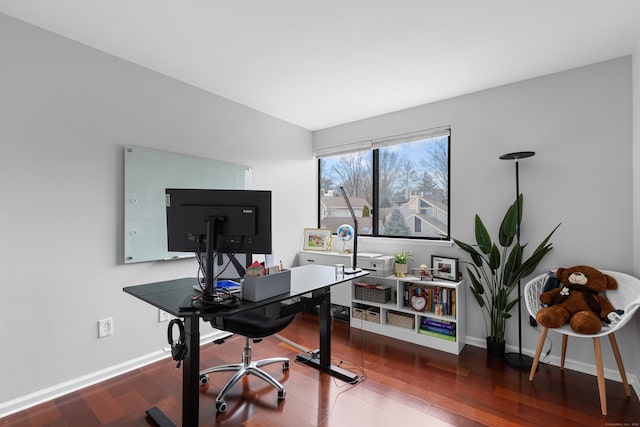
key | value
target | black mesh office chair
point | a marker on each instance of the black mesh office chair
(253, 325)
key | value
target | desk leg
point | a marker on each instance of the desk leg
(325, 330)
(190, 380)
(190, 373)
(324, 362)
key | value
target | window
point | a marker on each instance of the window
(398, 187)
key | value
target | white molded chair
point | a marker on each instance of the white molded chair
(626, 297)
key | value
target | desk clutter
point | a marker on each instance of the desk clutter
(258, 284)
(261, 283)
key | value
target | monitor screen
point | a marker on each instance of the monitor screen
(241, 220)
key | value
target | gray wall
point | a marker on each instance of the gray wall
(66, 111)
(579, 123)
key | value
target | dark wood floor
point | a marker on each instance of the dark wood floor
(405, 385)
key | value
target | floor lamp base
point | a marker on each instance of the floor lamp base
(517, 360)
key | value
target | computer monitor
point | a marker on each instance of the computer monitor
(210, 221)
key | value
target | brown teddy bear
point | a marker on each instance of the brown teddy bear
(577, 300)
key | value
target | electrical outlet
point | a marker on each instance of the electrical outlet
(105, 327)
(163, 316)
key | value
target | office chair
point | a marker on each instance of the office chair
(253, 325)
(626, 297)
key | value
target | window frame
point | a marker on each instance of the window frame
(374, 146)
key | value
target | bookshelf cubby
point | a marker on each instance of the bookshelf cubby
(424, 312)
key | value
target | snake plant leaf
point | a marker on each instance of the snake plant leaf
(532, 262)
(482, 236)
(508, 229)
(540, 252)
(478, 297)
(476, 257)
(505, 314)
(510, 305)
(476, 283)
(494, 258)
(512, 265)
(501, 298)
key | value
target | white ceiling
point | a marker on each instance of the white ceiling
(322, 63)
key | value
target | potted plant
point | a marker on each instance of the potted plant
(401, 266)
(495, 272)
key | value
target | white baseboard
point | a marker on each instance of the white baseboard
(572, 364)
(47, 394)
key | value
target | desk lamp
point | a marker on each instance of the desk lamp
(353, 269)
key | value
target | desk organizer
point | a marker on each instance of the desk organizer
(262, 287)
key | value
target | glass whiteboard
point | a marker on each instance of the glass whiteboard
(147, 173)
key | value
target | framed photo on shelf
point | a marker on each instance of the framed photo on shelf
(315, 239)
(444, 268)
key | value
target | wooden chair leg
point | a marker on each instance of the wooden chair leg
(565, 339)
(616, 353)
(536, 359)
(600, 373)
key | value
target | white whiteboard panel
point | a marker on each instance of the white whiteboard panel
(147, 173)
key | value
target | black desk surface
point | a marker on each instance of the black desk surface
(170, 295)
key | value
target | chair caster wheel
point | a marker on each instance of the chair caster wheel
(285, 365)
(221, 406)
(204, 379)
(282, 394)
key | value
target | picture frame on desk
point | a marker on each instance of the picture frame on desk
(315, 239)
(444, 268)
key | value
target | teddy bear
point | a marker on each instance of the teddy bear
(577, 300)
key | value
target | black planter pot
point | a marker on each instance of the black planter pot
(495, 348)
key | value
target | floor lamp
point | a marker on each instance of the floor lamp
(518, 360)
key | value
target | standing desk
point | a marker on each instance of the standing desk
(173, 294)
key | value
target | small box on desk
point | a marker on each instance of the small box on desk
(262, 287)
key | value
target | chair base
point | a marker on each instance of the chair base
(243, 369)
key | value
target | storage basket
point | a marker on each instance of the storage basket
(374, 293)
(372, 315)
(358, 313)
(400, 319)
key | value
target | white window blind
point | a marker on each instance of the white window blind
(342, 149)
(411, 136)
(382, 142)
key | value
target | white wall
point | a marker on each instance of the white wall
(579, 123)
(66, 111)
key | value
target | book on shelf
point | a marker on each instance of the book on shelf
(437, 335)
(434, 295)
(443, 331)
(427, 321)
(453, 303)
